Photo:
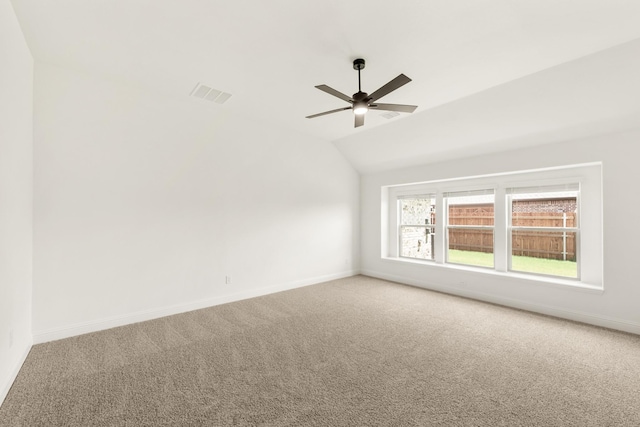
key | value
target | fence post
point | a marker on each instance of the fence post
(564, 236)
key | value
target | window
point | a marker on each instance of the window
(543, 225)
(470, 223)
(543, 230)
(417, 219)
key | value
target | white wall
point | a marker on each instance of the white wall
(145, 202)
(616, 307)
(16, 148)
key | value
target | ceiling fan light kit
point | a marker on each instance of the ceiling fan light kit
(361, 102)
(360, 107)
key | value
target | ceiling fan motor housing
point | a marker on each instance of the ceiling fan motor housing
(360, 96)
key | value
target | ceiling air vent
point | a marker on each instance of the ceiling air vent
(390, 115)
(208, 94)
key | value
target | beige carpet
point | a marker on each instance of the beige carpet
(351, 352)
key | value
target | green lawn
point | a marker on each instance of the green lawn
(519, 263)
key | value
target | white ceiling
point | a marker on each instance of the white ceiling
(270, 54)
(593, 95)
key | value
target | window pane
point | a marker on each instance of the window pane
(417, 242)
(418, 211)
(471, 210)
(544, 252)
(470, 247)
(545, 209)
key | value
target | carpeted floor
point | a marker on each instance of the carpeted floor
(351, 352)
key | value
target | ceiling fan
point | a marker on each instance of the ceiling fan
(361, 101)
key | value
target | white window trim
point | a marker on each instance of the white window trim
(590, 254)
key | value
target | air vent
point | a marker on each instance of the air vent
(209, 94)
(390, 115)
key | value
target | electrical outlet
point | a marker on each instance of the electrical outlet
(227, 280)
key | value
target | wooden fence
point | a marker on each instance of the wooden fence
(527, 213)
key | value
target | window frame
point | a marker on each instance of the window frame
(425, 226)
(447, 195)
(589, 239)
(511, 227)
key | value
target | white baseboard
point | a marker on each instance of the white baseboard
(592, 319)
(141, 316)
(4, 390)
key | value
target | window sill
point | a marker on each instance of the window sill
(541, 280)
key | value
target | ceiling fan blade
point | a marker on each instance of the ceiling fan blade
(332, 91)
(394, 84)
(394, 107)
(359, 120)
(328, 112)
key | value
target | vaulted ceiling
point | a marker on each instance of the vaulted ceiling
(485, 72)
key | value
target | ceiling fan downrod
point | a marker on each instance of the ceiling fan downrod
(358, 64)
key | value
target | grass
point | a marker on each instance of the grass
(518, 263)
